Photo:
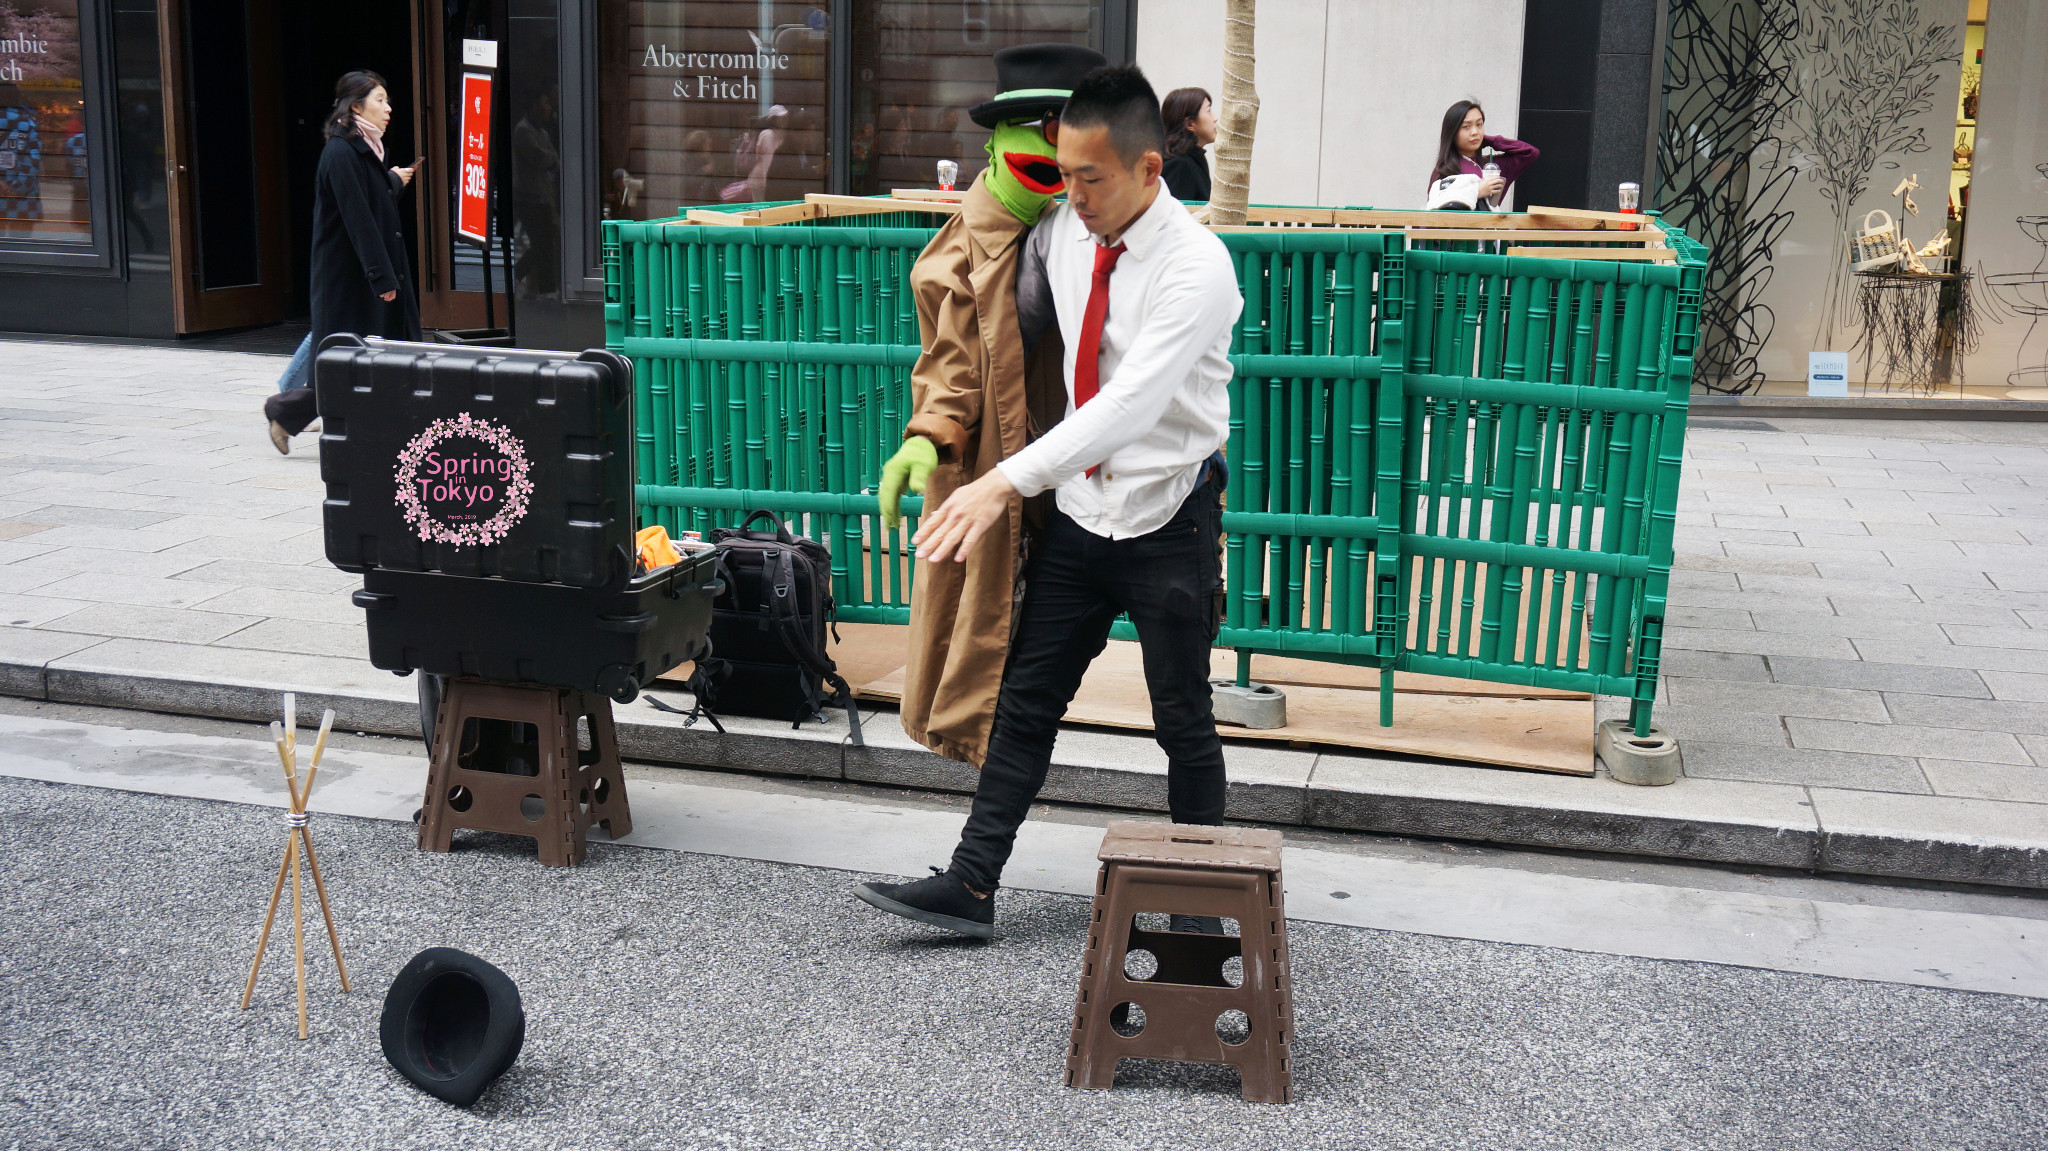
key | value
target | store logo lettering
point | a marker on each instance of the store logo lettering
(10, 70)
(705, 85)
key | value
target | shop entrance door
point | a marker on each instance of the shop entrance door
(224, 131)
(451, 271)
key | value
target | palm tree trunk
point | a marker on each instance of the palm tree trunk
(1240, 114)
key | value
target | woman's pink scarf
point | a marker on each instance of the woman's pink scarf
(372, 135)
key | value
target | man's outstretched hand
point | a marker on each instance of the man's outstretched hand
(958, 523)
(910, 468)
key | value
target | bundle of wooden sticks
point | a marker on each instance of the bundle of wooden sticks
(298, 841)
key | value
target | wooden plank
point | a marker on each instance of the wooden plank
(830, 205)
(723, 219)
(1583, 214)
(1540, 734)
(925, 194)
(1327, 703)
(785, 214)
(866, 652)
(1597, 253)
(870, 652)
(1287, 671)
(1563, 235)
(1272, 215)
(1452, 225)
(1389, 218)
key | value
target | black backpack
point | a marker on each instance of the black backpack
(768, 625)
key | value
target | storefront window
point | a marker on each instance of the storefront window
(730, 101)
(711, 101)
(919, 65)
(44, 180)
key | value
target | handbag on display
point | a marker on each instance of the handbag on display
(1874, 248)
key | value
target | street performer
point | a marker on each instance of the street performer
(1144, 299)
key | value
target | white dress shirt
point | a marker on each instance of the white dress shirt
(1163, 401)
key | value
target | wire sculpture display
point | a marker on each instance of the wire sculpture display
(1723, 89)
(1759, 92)
(1865, 73)
(2026, 293)
(1916, 328)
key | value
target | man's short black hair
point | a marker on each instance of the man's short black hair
(1120, 97)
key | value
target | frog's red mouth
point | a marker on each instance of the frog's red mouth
(1037, 173)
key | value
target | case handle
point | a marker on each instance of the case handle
(620, 377)
(630, 624)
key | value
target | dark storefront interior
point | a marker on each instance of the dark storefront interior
(198, 221)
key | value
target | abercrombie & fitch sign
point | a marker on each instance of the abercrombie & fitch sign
(703, 80)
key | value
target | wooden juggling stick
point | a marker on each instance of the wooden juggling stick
(298, 841)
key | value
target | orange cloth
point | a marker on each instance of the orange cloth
(655, 549)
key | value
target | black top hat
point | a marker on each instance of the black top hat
(1034, 80)
(452, 1023)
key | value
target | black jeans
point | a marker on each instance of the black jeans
(1075, 585)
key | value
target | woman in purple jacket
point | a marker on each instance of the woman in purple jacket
(1464, 134)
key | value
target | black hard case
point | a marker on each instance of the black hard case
(610, 640)
(556, 601)
(573, 414)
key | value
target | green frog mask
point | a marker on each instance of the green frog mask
(1021, 172)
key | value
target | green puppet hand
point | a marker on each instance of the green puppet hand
(910, 468)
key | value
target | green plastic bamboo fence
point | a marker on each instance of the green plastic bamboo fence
(1443, 462)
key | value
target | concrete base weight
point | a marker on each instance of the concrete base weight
(1648, 760)
(1255, 705)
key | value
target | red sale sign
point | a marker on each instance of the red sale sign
(473, 192)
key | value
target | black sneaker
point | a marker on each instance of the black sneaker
(940, 901)
(1195, 924)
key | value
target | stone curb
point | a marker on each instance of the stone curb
(1868, 408)
(1717, 821)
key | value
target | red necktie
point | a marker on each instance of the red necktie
(1088, 354)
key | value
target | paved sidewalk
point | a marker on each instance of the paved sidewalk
(1857, 658)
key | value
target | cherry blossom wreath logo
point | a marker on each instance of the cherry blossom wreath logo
(463, 480)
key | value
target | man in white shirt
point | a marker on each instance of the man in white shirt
(1145, 299)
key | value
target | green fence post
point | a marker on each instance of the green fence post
(659, 393)
(1391, 511)
(1664, 504)
(639, 322)
(1240, 453)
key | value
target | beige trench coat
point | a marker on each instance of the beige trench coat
(974, 398)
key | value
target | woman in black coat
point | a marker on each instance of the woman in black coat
(1190, 122)
(360, 279)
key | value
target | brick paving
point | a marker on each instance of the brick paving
(1857, 605)
(139, 498)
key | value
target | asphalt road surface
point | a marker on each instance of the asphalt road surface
(693, 1000)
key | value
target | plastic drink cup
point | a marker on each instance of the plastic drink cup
(1630, 197)
(949, 172)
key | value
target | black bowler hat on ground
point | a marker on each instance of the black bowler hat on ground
(452, 1023)
(1034, 80)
